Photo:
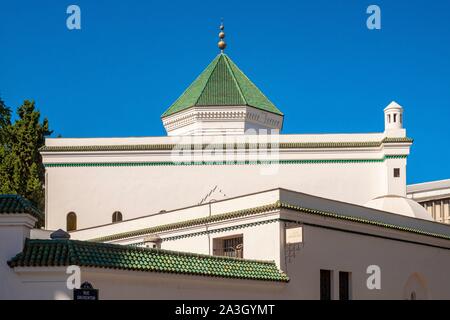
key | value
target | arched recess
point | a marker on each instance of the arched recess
(71, 221)
(117, 216)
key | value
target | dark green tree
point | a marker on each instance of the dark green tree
(21, 168)
(5, 147)
(5, 120)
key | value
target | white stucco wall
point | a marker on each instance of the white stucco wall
(95, 192)
(261, 242)
(341, 251)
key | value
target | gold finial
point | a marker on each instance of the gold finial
(222, 45)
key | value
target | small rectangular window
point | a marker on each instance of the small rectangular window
(396, 172)
(325, 284)
(229, 246)
(344, 285)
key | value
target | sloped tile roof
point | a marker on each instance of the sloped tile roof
(13, 203)
(51, 253)
(222, 83)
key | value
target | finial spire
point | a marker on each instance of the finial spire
(222, 45)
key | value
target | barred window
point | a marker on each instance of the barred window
(229, 246)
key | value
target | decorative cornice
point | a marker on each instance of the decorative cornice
(397, 140)
(362, 220)
(264, 209)
(237, 146)
(211, 231)
(215, 163)
(177, 121)
(188, 223)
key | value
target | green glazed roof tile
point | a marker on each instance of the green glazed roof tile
(222, 83)
(50, 253)
(13, 203)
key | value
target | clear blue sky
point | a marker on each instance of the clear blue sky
(316, 60)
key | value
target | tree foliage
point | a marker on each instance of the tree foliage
(5, 119)
(21, 168)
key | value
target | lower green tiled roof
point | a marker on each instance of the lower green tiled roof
(53, 253)
(13, 203)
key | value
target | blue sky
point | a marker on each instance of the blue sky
(316, 60)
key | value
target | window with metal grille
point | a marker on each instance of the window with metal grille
(229, 246)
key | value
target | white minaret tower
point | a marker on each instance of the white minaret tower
(393, 120)
(396, 166)
(393, 198)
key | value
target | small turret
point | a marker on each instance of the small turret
(393, 120)
(393, 116)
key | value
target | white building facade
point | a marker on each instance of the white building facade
(225, 206)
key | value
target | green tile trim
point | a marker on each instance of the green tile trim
(188, 223)
(57, 253)
(365, 221)
(225, 229)
(257, 210)
(215, 163)
(236, 146)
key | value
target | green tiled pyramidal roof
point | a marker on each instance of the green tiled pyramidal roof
(13, 203)
(52, 253)
(222, 83)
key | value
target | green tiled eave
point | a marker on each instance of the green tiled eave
(264, 209)
(188, 223)
(222, 83)
(13, 204)
(55, 253)
(250, 146)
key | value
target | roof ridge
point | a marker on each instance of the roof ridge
(227, 62)
(259, 90)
